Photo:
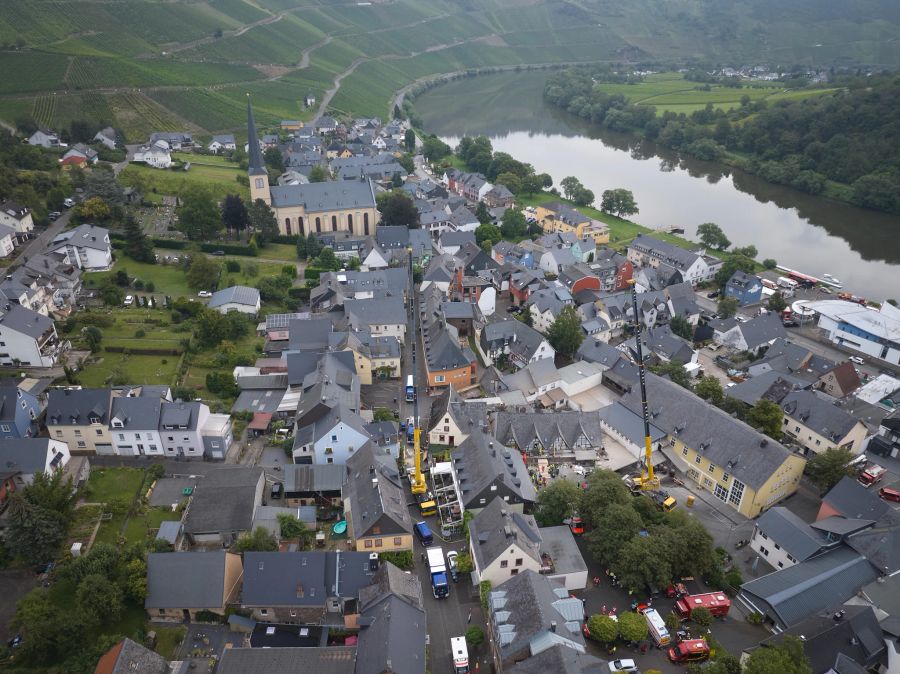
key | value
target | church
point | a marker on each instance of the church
(336, 206)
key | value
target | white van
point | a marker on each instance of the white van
(657, 627)
(460, 655)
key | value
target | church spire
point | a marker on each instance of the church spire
(256, 165)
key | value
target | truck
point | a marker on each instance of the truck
(460, 655)
(716, 603)
(689, 650)
(657, 627)
(440, 588)
(410, 389)
(424, 533)
(662, 500)
(787, 283)
(871, 474)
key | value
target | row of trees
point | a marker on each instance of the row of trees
(500, 167)
(846, 136)
(202, 220)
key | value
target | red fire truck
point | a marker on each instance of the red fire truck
(871, 474)
(716, 603)
(689, 650)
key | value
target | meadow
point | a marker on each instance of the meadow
(219, 180)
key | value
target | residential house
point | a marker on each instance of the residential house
(317, 485)
(887, 441)
(739, 465)
(503, 543)
(223, 506)
(80, 418)
(446, 362)
(472, 186)
(375, 503)
(453, 419)
(556, 259)
(504, 252)
(236, 298)
(328, 435)
(128, 656)
(224, 142)
(180, 425)
(530, 614)
(613, 269)
(287, 659)
(449, 243)
(559, 217)
(771, 385)
(783, 539)
(87, 246)
(546, 304)
(522, 284)
(849, 499)
(840, 381)
(7, 240)
(23, 458)
(60, 278)
(816, 425)
(464, 316)
(664, 344)
(306, 588)
(749, 335)
(134, 425)
(177, 140)
(218, 434)
(375, 357)
(745, 288)
(107, 137)
(44, 138)
(336, 287)
(499, 196)
(28, 338)
(483, 470)
(20, 411)
(158, 155)
(869, 332)
(558, 437)
(513, 341)
(182, 584)
(381, 317)
(646, 251)
(579, 277)
(84, 154)
(18, 217)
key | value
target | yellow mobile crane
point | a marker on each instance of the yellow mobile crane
(417, 483)
(647, 480)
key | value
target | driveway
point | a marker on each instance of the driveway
(14, 584)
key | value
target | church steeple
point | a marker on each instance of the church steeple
(259, 176)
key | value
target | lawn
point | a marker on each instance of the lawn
(134, 370)
(109, 484)
(167, 279)
(168, 639)
(143, 527)
(204, 159)
(219, 180)
(285, 252)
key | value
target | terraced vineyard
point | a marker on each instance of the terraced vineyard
(149, 66)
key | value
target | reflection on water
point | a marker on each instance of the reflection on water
(801, 231)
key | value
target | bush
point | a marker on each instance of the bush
(138, 284)
(232, 265)
(229, 249)
(312, 273)
(172, 244)
(140, 334)
(289, 270)
(402, 559)
(149, 286)
(755, 618)
(484, 589)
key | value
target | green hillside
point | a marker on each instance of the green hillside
(140, 64)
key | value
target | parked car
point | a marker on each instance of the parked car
(857, 360)
(790, 323)
(54, 215)
(204, 293)
(68, 202)
(218, 252)
(15, 642)
(453, 565)
(713, 295)
(129, 300)
(624, 665)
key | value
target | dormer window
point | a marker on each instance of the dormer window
(95, 420)
(117, 424)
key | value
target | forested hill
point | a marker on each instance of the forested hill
(844, 143)
(144, 65)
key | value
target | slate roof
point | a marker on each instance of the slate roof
(127, 657)
(391, 638)
(829, 421)
(191, 580)
(478, 465)
(523, 429)
(880, 544)
(664, 343)
(382, 311)
(771, 385)
(25, 321)
(140, 413)
(383, 505)
(265, 401)
(561, 660)
(176, 414)
(802, 590)
(725, 441)
(306, 578)
(391, 580)
(327, 196)
(488, 533)
(234, 295)
(797, 538)
(75, 408)
(761, 330)
(628, 423)
(310, 477)
(671, 254)
(457, 238)
(553, 299)
(595, 351)
(442, 349)
(519, 338)
(328, 660)
(849, 498)
(223, 501)
(86, 236)
(24, 455)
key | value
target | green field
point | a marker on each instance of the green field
(219, 180)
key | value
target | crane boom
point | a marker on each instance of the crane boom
(648, 480)
(417, 485)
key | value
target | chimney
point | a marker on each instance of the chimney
(375, 483)
(552, 625)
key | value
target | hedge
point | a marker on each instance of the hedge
(175, 244)
(313, 273)
(230, 249)
(285, 238)
(299, 293)
(138, 351)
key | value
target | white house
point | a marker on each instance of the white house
(86, 246)
(107, 137)
(134, 426)
(646, 251)
(180, 424)
(546, 304)
(16, 216)
(236, 298)
(44, 138)
(222, 142)
(7, 240)
(157, 155)
(332, 438)
(556, 259)
(383, 317)
(26, 457)
(871, 332)
(503, 543)
(28, 338)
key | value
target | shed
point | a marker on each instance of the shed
(559, 548)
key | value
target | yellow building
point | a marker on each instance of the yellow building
(817, 425)
(374, 357)
(737, 464)
(559, 217)
(80, 418)
(334, 206)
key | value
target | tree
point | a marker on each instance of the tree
(407, 162)
(511, 181)
(98, 597)
(475, 636)
(274, 159)
(710, 388)
(712, 236)
(674, 371)
(34, 533)
(513, 225)
(198, 216)
(583, 197)
(397, 209)
(487, 232)
(613, 528)
(328, 260)
(93, 209)
(776, 302)
(301, 247)
(702, 616)
(93, 336)
(557, 501)
(604, 489)
(825, 469)
(603, 628)
(482, 213)
(261, 220)
(769, 263)
(732, 264)
(291, 527)
(565, 334)
(46, 629)
(435, 149)
(203, 273)
(632, 627)
(318, 174)
(137, 244)
(570, 186)
(682, 327)
(618, 201)
(234, 213)
(105, 186)
(785, 658)
(313, 246)
(260, 540)
(747, 251)
(727, 306)
(767, 417)
(409, 140)
(396, 180)
(643, 560)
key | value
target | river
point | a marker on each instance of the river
(800, 231)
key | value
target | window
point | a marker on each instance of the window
(763, 535)
(329, 450)
(519, 561)
(493, 487)
(737, 493)
(707, 483)
(293, 614)
(333, 223)
(121, 436)
(712, 467)
(152, 448)
(504, 563)
(318, 224)
(350, 222)
(334, 438)
(81, 444)
(780, 565)
(330, 459)
(439, 378)
(378, 543)
(796, 429)
(720, 492)
(137, 436)
(513, 572)
(441, 438)
(368, 543)
(99, 431)
(725, 477)
(263, 611)
(818, 442)
(23, 404)
(698, 459)
(259, 186)
(763, 550)
(398, 540)
(684, 451)
(4, 428)
(777, 547)
(482, 501)
(77, 433)
(446, 428)
(58, 434)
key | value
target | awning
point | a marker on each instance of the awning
(260, 421)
